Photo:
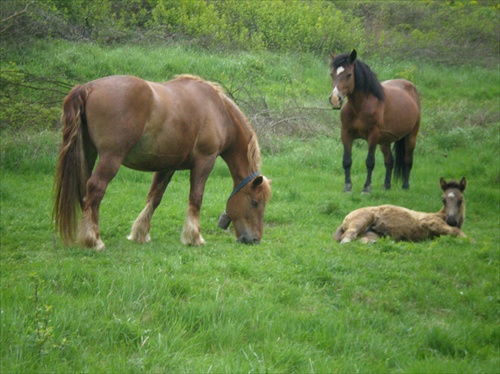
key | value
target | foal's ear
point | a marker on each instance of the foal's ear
(443, 183)
(463, 184)
(352, 56)
(332, 55)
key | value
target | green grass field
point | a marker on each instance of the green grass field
(298, 302)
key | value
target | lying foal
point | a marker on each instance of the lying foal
(399, 223)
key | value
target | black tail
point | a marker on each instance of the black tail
(399, 158)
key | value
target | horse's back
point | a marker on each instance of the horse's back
(402, 106)
(401, 90)
(155, 125)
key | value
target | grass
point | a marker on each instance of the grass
(299, 302)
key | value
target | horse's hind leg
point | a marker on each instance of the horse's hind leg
(355, 223)
(142, 225)
(369, 237)
(411, 142)
(389, 164)
(88, 231)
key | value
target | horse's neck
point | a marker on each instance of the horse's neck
(242, 155)
(238, 155)
(358, 100)
(441, 214)
(238, 165)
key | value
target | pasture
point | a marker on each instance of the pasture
(299, 301)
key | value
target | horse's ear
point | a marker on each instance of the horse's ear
(257, 181)
(463, 184)
(332, 55)
(352, 56)
(443, 183)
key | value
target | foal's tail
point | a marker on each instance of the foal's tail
(72, 172)
(399, 158)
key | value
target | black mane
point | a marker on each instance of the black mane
(366, 80)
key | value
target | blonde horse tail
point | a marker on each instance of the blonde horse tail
(72, 173)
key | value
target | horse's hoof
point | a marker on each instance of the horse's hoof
(99, 246)
(345, 240)
(138, 239)
(366, 190)
(347, 187)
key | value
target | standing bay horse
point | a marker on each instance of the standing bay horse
(159, 127)
(381, 113)
(371, 223)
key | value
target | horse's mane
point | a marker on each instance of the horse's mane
(253, 152)
(366, 80)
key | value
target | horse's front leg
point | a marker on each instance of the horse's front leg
(347, 160)
(389, 164)
(142, 225)
(191, 233)
(370, 165)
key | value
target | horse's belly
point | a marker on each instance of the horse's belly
(399, 224)
(148, 156)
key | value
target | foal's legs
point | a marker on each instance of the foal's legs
(389, 164)
(88, 232)
(356, 223)
(191, 233)
(142, 225)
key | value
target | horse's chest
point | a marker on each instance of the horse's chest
(361, 124)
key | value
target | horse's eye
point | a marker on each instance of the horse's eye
(254, 203)
(349, 75)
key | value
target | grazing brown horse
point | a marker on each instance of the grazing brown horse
(381, 113)
(160, 127)
(371, 223)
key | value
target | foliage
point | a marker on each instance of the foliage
(445, 31)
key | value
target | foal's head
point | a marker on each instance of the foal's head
(454, 201)
(246, 210)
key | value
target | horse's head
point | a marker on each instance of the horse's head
(454, 202)
(342, 73)
(245, 209)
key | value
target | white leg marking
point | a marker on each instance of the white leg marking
(87, 233)
(345, 240)
(191, 233)
(141, 226)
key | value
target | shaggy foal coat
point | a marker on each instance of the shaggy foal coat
(371, 223)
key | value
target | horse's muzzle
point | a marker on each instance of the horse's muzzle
(245, 240)
(336, 102)
(453, 222)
